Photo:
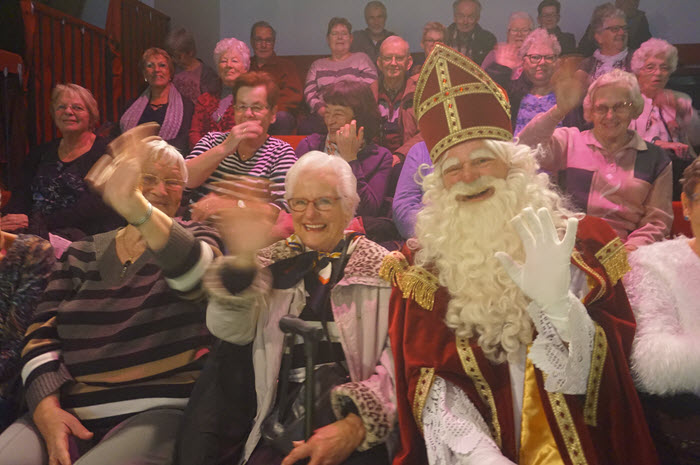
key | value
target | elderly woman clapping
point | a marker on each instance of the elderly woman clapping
(214, 111)
(609, 171)
(161, 102)
(668, 118)
(328, 277)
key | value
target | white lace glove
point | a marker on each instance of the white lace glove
(545, 276)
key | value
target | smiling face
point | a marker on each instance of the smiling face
(612, 39)
(467, 163)
(549, 18)
(608, 123)
(653, 76)
(466, 16)
(319, 230)
(162, 185)
(540, 72)
(339, 40)
(157, 72)
(376, 19)
(71, 114)
(336, 117)
(263, 42)
(394, 59)
(230, 66)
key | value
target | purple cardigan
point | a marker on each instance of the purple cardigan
(371, 168)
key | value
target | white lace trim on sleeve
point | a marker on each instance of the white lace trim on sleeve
(454, 431)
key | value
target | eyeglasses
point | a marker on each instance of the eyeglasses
(621, 108)
(535, 59)
(256, 109)
(321, 204)
(151, 181)
(76, 107)
(651, 68)
(616, 29)
(520, 31)
(337, 35)
(388, 59)
(269, 41)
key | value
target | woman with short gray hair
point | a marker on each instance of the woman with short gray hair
(668, 118)
(214, 110)
(609, 171)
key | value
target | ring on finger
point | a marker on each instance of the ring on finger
(241, 204)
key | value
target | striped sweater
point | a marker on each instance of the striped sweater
(117, 341)
(271, 161)
(324, 71)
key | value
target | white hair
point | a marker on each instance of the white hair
(520, 15)
(159, 151)
(619, 78)
(232, 45)
(460, 239)
(540, 36)
(651, 48)
(319, 161)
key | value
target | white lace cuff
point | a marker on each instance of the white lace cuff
(454, 431)
(566, 368)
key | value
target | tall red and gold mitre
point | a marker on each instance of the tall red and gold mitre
(456, 101)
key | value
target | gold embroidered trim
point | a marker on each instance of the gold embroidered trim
(471, 368)
(567, 428)
(592, 277)
(475, 132)
(600, 350)
(420, 285)
(440, 56)
(425, 382)
(613, 257)
(450, 92)
(393, 266)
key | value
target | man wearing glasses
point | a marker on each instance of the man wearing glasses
(548, 15)
(282, 70)
(247, 149)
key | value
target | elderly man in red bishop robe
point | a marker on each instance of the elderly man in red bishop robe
(510, 328)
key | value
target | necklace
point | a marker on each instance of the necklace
(131, 255)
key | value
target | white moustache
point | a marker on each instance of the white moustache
(472, 188)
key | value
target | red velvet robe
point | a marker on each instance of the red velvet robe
(605, 426)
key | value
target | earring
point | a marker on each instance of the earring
(686, 217)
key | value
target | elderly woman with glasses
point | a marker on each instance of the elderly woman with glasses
(609, 30)
(214, 111)
(532, 92)
(119, 336)
(520, 25)
(160, 102)
(609, 171)
(662, 288)
(668, 118)
(328, 277)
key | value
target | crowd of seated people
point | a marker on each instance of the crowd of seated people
(296, 217)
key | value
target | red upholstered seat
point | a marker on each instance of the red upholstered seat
(680, 225)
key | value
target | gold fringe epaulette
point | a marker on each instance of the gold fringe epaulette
(613, 257)
(415, 282)
(420, 285)
(393, 266)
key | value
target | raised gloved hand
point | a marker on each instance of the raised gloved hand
(545, 276)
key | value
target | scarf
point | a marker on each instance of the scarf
(605, 63)
(173, 114)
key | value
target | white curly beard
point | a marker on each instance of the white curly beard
(461, 238)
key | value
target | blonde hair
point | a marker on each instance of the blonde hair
(84, 95)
